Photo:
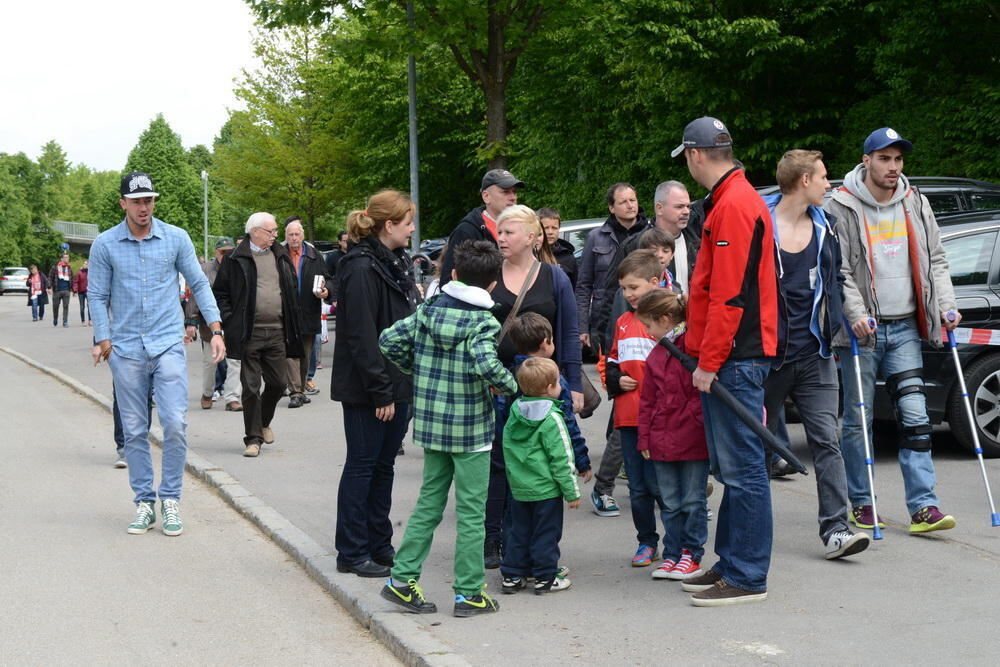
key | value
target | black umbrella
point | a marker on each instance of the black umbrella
(721, 393)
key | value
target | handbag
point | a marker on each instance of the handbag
(509, 321)
(591, 397)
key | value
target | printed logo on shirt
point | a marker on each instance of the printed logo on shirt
(722, 244)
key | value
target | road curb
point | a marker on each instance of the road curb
(405, 637)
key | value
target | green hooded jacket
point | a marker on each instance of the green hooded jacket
(538, 452)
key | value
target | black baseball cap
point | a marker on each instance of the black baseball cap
(501, 177)
(703, 133)
(136, 184)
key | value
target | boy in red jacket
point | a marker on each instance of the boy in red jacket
(638, 274)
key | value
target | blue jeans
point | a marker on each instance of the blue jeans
(119, 429)
(314, 357)
(643, 488)
(744, 527)
(135, 379)
(364, 499)
(685, 517)
(532, 545)
(897, 349)
(37, 309)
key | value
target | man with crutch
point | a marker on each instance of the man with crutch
(895, 273)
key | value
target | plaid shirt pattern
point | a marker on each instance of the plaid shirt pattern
(450, 349)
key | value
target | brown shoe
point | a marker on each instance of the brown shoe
(206, 402)
(234, 406)
(268, 434)
(723, 595)
(252, 450)
(702, 582)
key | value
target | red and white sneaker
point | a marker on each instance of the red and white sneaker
(685, 568)
(663, 572)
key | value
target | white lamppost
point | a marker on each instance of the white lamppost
(204, 180)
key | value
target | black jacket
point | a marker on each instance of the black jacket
(369, 301)
(564, 251)
(332, 262)
(235, 290)
(310, 305)
(600, 314)
(472, 227)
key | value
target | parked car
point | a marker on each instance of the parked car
(575, 231)
(971, 243)
(14, 279)
(946, 195)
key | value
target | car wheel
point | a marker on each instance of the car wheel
(982, 380)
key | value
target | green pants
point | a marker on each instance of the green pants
(471, 473)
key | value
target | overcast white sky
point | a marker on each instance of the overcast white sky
(92, 74)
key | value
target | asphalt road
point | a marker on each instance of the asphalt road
(76, 589)
(907, 600)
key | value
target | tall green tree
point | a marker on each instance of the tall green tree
(160, 153)
(283, 152)
(484, 37)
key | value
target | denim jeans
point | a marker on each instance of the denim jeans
(84, 307)
(744, 527)
(314, 357)
(897, 349)
(532, 546)
(682, 487)
(812, 384)
(364, 499)
(119, 429)
(643, 488)
(36, 308)
(166, 376)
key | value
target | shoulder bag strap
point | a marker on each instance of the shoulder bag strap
(509, 322)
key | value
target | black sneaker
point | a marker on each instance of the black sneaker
(491, 554)
(512, 585)
(702, 582)
(475, 605)
(409, 597)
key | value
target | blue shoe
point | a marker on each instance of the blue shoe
(604, 505)
(644, 556)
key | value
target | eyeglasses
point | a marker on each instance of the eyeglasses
(269, 232)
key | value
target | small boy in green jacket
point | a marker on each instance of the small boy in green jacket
(450, 347)
(539, 457)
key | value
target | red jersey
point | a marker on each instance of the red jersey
(629, 349)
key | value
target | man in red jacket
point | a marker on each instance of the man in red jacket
(732, 330)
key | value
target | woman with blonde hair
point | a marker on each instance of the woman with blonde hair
(375, 289)
(547, 292)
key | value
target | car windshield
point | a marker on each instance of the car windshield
(15, 272)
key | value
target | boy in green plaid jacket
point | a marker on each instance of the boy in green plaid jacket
(449, 346)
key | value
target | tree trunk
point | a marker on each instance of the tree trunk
(495, 88)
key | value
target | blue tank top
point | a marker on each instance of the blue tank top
(799, 284)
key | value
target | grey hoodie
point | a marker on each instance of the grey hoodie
(869, 287)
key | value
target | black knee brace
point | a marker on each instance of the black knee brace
(893, 381)
(908, 432)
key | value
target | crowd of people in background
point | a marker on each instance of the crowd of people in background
(756, 296)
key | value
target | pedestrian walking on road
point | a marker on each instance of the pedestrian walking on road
(256, 292)
(133, 274)
(309, 265)
(61, 283)
(896, 272)
(449, 348)
(375, 290)
(38, 295)
(80, 289)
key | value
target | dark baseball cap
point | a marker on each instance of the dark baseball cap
(501, 177)
(703, 133)
(224, 242)
(136, 184)
(885, 137)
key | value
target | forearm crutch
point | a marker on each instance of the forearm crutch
(869, 461)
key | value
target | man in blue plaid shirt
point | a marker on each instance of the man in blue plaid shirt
(139, 330)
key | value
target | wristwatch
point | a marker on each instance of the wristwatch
(218, 333)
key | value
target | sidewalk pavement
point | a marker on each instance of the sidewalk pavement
(915, 600)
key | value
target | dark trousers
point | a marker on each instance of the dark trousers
(532, 546)
(263, 359)
(364, 498)
(119, 428)
(812, 383)
(611, 461)
(497, 496)
(57, 298)
(84, 307)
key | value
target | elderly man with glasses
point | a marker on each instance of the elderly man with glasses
(255, 290)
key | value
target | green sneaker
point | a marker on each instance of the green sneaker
(474, 605)
(145, 517)
(172, 524)
(410, 597)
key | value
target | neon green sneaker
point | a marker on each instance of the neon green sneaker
(930, 518)
(172, 524)
(474, 605)
(145, 517)
(409, 597)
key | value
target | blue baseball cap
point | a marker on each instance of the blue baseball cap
(885, 137)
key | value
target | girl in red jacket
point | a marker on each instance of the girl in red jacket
(672, 436)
